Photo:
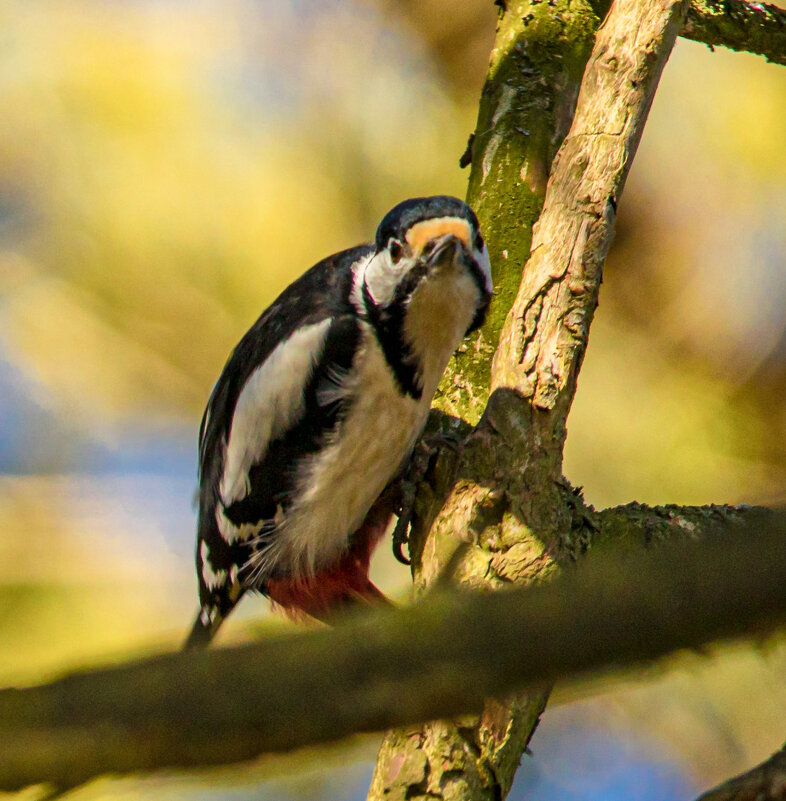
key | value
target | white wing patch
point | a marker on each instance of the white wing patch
(382, 276)
(337, 486)
(232, 533)
(270, 402)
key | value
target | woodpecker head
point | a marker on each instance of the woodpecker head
(425, 286)
(430, 245)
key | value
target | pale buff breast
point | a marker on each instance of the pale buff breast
(339, 485)
(342, 482)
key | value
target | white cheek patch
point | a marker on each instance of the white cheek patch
(382, 276)
(358, 279)
(485, 267)
(270, 403)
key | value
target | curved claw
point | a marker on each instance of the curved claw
(400, 539)
(397, 552)
(404, 488)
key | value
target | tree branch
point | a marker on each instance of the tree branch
(765, 782)
(441, 657)
(753, 27)
(637, 525)
(525, 111)
(545, 334)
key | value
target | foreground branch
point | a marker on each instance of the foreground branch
(440, 658)
(765, 782)
(753, 27)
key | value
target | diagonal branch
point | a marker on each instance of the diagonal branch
(545, 335)
(753, 27)
(765, 782)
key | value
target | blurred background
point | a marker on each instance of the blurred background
(167, 167)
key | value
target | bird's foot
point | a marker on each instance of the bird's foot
(406, 486)
(404, 511)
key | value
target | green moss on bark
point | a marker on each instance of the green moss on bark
(525, 112)
(753, 27)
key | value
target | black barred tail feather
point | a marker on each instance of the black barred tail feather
(201, 632)
(219, 587)
(212, 614)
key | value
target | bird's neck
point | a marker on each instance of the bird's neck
(436, 319)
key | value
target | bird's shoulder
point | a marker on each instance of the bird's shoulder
(321, 294)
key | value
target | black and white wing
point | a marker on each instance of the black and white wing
(277, 398)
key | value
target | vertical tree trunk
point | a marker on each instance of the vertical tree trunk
(504, 491)
(525, 111)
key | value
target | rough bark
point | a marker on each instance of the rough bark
(440, 657)
(636, 525)
(545, 334)
(503, 491)
(752, 27)
(765, 782)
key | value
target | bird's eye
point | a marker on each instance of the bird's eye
(479, 241)
(396, 250)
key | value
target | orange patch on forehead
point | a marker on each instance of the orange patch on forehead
(424, 232)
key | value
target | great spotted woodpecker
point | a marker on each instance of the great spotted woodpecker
(319, 407)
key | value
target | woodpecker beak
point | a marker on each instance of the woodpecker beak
(443, 250)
